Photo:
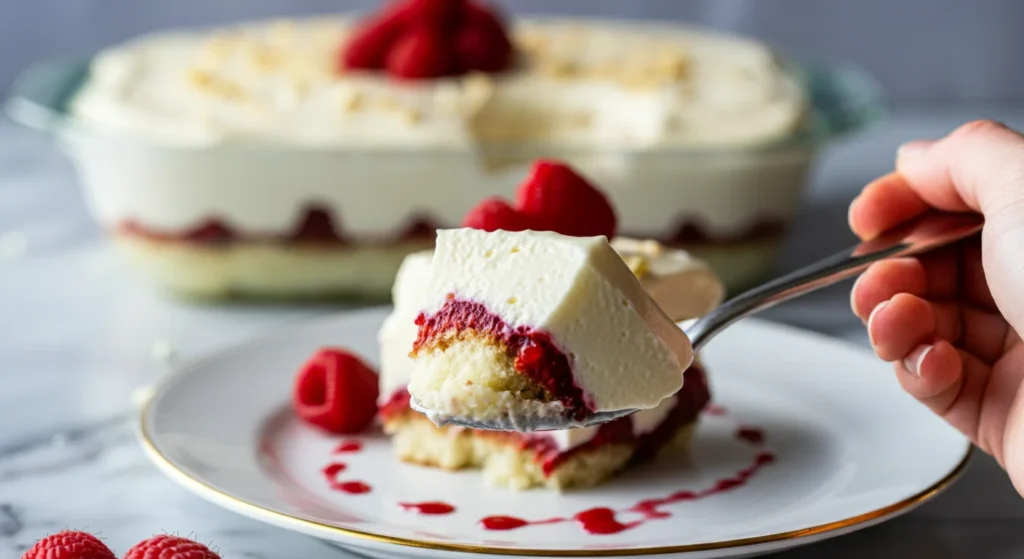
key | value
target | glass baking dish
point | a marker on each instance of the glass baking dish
(680, 196)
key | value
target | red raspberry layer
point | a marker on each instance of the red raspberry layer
(536, 355)
(397, 404)
(318, 226)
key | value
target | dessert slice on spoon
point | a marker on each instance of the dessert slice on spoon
(534, 330)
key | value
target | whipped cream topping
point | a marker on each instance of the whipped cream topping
(624, 352)
(590, 82)
(685, 287)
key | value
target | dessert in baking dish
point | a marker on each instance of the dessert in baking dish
(307, 158)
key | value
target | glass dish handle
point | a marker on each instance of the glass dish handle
(39, 96)
(846, 98)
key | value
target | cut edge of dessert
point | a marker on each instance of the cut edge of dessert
(535, 330)
(556, 459)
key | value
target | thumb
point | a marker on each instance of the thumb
(979, 167)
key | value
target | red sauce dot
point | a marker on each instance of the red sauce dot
(602, 520)
(751, 435)
(348, 446)
(332, 470)
(352, 487)
(430, 507)
(502, 523)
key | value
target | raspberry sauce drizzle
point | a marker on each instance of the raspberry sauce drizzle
(429, 507)
(331, 471)
(604, 520)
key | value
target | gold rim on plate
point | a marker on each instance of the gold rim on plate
(214, 494)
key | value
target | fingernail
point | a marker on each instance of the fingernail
(871, 317)
(853, 293)
(912, 362)
(913, 149)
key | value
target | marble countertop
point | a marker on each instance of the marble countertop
(79, 334)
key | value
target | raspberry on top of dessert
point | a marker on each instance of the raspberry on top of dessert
(422, 39)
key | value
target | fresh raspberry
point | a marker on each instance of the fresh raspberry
(481, 43)
(422, 53)
(439, 14)
(493, 214)
(372, 39)
(420, 39)
(69, 545)
(336, 391)
(169, 547)
(317, 226)
(555, 198)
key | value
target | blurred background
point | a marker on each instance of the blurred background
(923, 51)
(79, 334)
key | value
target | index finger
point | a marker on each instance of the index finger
(979, 167)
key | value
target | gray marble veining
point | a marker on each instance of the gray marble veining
(77, 337)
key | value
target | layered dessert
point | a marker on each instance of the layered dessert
(308, 157)
(561, 459)
(533, 328)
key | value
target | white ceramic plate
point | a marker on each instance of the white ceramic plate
(851, 450)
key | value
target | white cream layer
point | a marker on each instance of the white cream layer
(624, 352)
(220, 92)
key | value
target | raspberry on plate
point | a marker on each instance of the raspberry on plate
(336, 391)
(69, 544)
(166, 546)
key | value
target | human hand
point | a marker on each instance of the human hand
(950, 320)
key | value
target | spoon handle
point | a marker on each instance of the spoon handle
(928, 232)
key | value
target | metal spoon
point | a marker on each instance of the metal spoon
(928, 232)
